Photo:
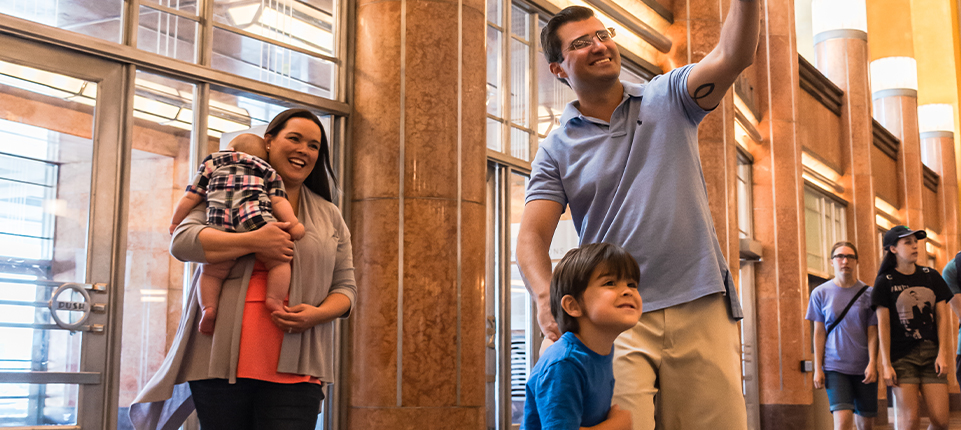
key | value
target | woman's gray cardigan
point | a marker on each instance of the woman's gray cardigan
(322, 264)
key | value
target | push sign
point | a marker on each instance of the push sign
(62, 308)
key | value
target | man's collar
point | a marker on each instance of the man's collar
(571, 111)
(632, 89)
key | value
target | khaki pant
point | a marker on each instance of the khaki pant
(692, 353)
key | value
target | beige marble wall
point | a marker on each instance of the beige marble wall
(418, 202)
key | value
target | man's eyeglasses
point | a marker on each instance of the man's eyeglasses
(588, 40)
(851, 257)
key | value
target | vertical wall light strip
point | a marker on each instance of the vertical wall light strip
(400, 205)
(460, 182)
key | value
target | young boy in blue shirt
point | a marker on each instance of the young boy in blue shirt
(593, 298)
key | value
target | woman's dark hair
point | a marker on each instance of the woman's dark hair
(553, 50)
(847, 244)
(317, 179)
(573, 274)
(888, 262)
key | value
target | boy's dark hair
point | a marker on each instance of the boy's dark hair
(573, 273)
(549, 40)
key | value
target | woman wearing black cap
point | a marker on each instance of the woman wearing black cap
(911, 302)
(261, 369)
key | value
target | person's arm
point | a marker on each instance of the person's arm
(871, 372)
(955, 304)
(184, 205)
(284, 212)
(193, 241)
(533, 244)
(950, 276)
(617, 419)
(300, 318)
(941, 364)
(710, 79)
(884, 346)
(820, 337)
(341, 296)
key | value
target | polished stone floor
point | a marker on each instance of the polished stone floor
(954, 424)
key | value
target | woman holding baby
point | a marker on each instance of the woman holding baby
(261, 369)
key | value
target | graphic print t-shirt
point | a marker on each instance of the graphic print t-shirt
(911, 300)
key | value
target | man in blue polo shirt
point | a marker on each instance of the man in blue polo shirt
(625, 160)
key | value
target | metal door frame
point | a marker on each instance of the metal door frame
(499, 247)
(106, 235)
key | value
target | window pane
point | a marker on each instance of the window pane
(307, 24)
(521, 315)
(166, 34)
(745, 205)
(46, 166)
(494, 134)
(160, 170)
(189, 6)
(100, 18)
(552, 98)
(520, 79)
(494, 72)
(269, 63)
(520, 144)
(494, 11)
(813, 232)
(520, 22)
(39, 404)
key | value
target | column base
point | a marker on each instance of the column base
(416, 418)
(786, 417)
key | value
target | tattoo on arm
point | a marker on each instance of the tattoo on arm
(703, 91)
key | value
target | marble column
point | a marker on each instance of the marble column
(897, 110)
(842, 56)
(783, 337)
(947, 189)
(418, 213)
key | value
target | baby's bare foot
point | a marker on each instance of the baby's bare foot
(274, 304)
(208, 317)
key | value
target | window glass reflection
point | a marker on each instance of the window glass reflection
(160, 169)
(166, 34)
(100, 19)
(307, 24)
(46, 160)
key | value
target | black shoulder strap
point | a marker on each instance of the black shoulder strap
(845, 311)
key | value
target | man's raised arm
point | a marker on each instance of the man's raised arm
(711, 77)
(533, 245)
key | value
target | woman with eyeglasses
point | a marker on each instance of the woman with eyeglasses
(846, 342)
(911, 302)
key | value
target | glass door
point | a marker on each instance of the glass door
(60, 212)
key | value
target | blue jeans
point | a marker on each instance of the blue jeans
(251, 404)
(847, 392)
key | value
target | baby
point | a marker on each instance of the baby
(243, 193)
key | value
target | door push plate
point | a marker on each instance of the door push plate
(61, 306)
